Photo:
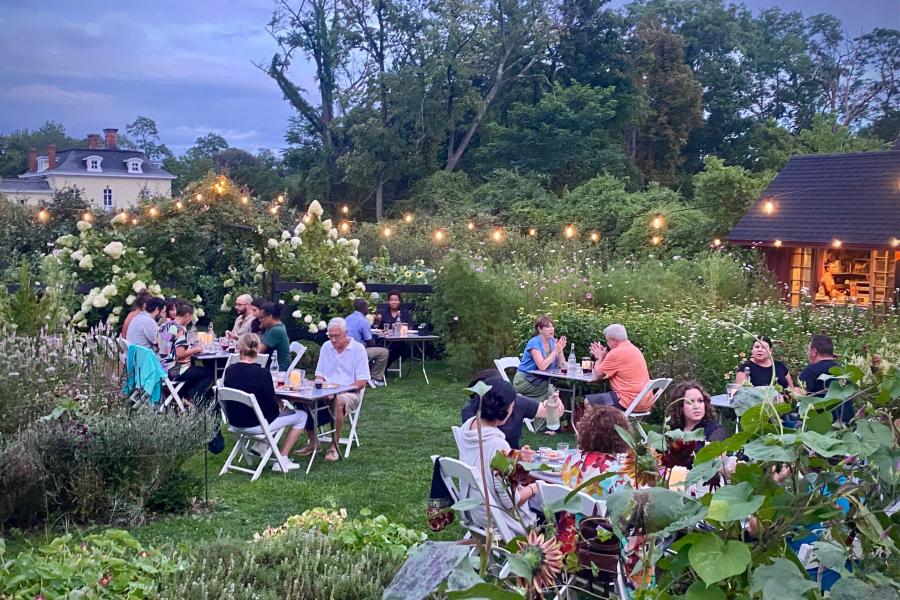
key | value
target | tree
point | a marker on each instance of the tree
(146, 137)
(15, 146)
(725, 193)
(673, 100)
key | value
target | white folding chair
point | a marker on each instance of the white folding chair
(248, 435)
(469, 485)
(655, 388)
(298, 350)
(123, 349)
(261, 360)
(511, 362)
(352, 435)
(170, 389)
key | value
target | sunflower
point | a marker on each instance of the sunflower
(642, 466)
(544, 557)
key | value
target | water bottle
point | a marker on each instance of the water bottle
(273, 365)
(747, 382)
(212, 334)
(573, 363)
(550, 408)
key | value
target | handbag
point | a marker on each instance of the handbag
(439, 513)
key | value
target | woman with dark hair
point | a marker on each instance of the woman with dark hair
(394, 313)
(542, 352)
(601, 447)
(496, 406)
(762, 365)
(140, 301)
(254, 307)
(525, 408)
(692, 409)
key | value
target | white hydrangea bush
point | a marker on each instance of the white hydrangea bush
(104, 259)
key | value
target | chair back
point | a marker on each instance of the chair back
(298, 350)
(582, 502)
(227, 394)
(507, 362)
(654, 387)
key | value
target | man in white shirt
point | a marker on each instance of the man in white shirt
(243, 306)
(343, 361)
(143, 329)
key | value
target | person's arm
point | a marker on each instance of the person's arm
(741, 377)
(541, 411)
(790, 382)
(526, 493)
(544, 363)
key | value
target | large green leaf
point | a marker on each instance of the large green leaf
(830, 555)
(781, 580)
(734, 502)
(714, 449)
(467, 504)
(699, 591)
(748, 397)
(885, 461)
(823, 445)
(772, 448)
(875, 432)
(425, 569)
(851, 588)
(703, 472)
(714, 559)
(484, 590)
(819, 421)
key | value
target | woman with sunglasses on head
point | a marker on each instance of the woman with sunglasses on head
(692, 410)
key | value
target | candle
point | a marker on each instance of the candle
(404, 329)
(296, 380)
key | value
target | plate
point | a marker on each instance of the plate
(329, 386)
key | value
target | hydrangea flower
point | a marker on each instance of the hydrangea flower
(315, 209)
(109, 290)
(138, 286)
(114, 250)
(86, 263)
(83, 225)
(228, 283)
(99, 301)
(307, 319)
(273, 243)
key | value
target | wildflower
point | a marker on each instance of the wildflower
(544, 557)
(272, 243)
(588, 296)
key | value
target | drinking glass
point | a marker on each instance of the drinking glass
(586, 365)
(544, 453)
(562, 451)
(731, 389)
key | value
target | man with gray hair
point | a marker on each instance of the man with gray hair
(343, 361)
(624, 366)
(243, 306)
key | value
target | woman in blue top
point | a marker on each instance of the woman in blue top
(542, 352)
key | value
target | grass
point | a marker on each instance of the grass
(401, 426)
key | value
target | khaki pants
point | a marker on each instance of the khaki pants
(378, 360)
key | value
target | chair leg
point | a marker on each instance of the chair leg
(232, 455)
(637, 424)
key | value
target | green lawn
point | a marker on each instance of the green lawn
(401, 426)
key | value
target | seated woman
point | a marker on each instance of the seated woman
(601, 447)
(247, 376)
(390, 314)
(692, 409)
(496, 407)
(542, 352)
(524, 408)
(761, 366)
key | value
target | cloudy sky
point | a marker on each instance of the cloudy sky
(91, 64)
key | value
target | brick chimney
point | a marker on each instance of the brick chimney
(93, 141)
(112, 138)
(51, 156)
(32, 160)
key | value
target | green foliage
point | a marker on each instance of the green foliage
(109, 565)
(382, 270)
(472, 311)
(27, 310)
(294, 565)
(513, 198)
(725, 193)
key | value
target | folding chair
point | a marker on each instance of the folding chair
(261, 360)
(123, 349)
(298, 350)
(453, 471)
(511, 362)
(170, 389)
(654, 387)
(352, 436)
(248, 435)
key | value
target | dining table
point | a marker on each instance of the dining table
(414, 338)
(574, 380)
(311, 398)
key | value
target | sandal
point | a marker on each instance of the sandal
(306, 450)
(331, 455)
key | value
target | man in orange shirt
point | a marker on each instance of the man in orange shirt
(624, 366)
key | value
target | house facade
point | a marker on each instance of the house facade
(109, 177)
(829, 226)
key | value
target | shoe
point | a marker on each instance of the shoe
(305, 451)
(289, 465)
(379, 382)
(259, 448)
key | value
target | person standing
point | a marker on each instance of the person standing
(275, 337)
(359, 329)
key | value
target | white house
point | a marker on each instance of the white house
(109, 177)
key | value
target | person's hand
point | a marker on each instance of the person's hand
(526, 453)
(561, 344)
(779, 475)
(196, 350)
(598, 350)
(231, 335)
(560, 407)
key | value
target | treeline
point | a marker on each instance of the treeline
(558, 92)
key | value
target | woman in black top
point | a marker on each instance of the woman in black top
(247, 376)
(761, 365)
(390, 314)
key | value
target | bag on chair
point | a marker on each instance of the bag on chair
(439, 512)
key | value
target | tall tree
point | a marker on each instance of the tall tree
(145, 136)
(673, 100)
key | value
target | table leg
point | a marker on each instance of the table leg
(315, 418)
(422, 348)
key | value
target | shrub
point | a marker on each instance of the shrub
(108, 565)
(296, 565)
(102, 467)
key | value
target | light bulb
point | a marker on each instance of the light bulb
(244, 199)
(154, 211)
(386, 232)
(408, 218)
(179, 205)
(497, 235)
(595, 236)
(87, 217)
(836, 243)
(439, 235)
(198, 197)
(532, 232)
(777, 243)
(717, 242)
(345, 226)
(569, 231)
(43, 215)
(769, 207)
(657, 221)
(655, 240)
(470, 225)
(345, 209)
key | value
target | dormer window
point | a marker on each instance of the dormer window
(42, 163)
(134, 165)
(93, 164)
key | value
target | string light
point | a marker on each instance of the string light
(532, 232)
(497, 235)
(439, 235)
(198, 197)
(179, 205)
(134, 221)
(777, 243)
(595, 236)
(408, 217)
(657, 221)
(244, 199)
(87, 217)
(345, 226)
(306, 219)
(769, 207)
(43, 215)
(569, 231)
(470, 226)
(655, 240)
(345, 209)
(895, 242)
(280, 199)
(717, 242)
(836, 243)
(274, 210)
(154, 212)
(386, 232)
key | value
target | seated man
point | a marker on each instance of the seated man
(624, 366)
(274, 335)
(343, 361)
(525, 408)
(196, 379)
(243, 307)
(143, 330)
(821, 358)
(359, 329)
